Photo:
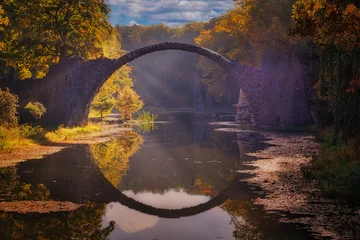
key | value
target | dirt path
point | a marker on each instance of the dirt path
(39, 151)
(296, 199)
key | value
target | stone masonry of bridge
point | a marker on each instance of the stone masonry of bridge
(68, 90)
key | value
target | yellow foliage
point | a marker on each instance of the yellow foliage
(12, 138)
(111, 88)
(112, 157)
(128, 102)
(62, 134)
(328, 23)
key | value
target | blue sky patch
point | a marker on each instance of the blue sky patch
(169, 12)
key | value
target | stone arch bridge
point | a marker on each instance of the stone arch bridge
(68, 90)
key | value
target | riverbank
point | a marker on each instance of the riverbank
(39, 150)
(277, 170)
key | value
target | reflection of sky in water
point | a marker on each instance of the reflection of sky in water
(131, 224)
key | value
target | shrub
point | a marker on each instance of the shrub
(8, 112)
(36, 109)
(147, 117)
(20, 136)
(337, 168)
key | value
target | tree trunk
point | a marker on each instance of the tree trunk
(63, 57)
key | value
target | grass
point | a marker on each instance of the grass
(23, 136)
(12, 138)
(64, 133)
(146, 117)
(336, 167)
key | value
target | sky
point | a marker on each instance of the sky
(169, 12)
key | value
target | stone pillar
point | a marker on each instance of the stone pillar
(244, 116)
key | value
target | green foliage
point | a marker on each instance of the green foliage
(8, 112)
(62, 134)
(128, 102)
(334, 27)
(137, 36)
(19, 136)
(41, 33)
(157, 67)
(246, 34)
(36, 109)
(337, 168)
(83, 223)
(103, 103)
(145, 116)
(147, 121)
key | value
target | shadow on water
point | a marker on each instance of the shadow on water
(177, 182)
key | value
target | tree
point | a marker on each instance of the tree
(128, 102)
(4, 21)
(103, 103)
(8, 112)
(41, 33)
(335, 27)
(245, 34)
(112, 157)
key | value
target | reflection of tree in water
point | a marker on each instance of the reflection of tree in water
(179, 155)
(238, 210)
(219, 162)
(84, 223)
(147, 127)
(12, 189)
(112, 157)
(8, 180)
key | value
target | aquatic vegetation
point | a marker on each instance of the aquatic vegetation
(148, 117)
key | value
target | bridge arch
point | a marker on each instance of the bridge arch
(68, 91)
(131, 56)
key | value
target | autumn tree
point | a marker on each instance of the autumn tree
(103, 103)
(4, 21)
(251, 31)
(112, 157)
(335, 27)
(128, 102)
(58, 225)
(41, 33)
(8, 111)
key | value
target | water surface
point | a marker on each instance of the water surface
(176, 180)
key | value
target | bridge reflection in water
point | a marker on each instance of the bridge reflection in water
(78, 174)
(178, 182)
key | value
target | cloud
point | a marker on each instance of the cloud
(131, 221)
(168, 11)
(132, 23)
